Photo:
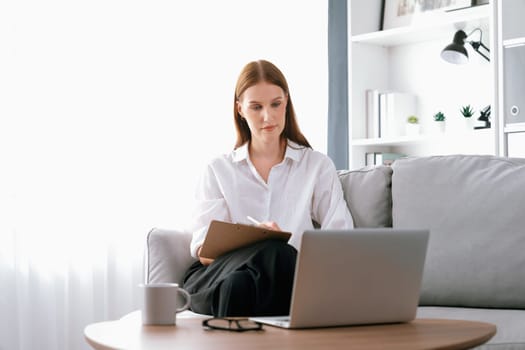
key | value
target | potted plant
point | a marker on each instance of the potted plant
(412, 126)
(439, 117)
(467, 113)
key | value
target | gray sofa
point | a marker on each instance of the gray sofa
(474, 207)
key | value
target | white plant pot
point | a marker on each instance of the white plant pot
(469, 123)
(412, 129)
(440, 127)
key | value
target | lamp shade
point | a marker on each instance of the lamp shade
(456, 52)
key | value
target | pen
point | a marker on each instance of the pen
(256, 222)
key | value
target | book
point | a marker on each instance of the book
(390, 111)
(383, 115)
(381, 158)
(386, 158)
(399, 106)
(223, 237)
(370, 158)
(372, 113)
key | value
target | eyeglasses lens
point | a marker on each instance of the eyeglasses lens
(238, 325)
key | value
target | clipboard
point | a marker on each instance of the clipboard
(223, 237)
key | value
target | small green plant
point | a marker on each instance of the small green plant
(412, 119)
(467, 111)
(439, 117)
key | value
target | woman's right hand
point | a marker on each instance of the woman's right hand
(204, 261)
(272, 225)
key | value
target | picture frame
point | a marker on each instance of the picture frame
(400, 13)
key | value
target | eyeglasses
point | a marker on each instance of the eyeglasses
(233, 324)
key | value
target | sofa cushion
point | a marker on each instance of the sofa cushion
(474, 207)
(367, 192)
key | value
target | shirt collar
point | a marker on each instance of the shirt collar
(240, 153)
(293, 151)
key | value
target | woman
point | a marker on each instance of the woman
(273, 175)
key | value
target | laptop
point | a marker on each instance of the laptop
(355, 277)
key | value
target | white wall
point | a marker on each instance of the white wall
(110, 107)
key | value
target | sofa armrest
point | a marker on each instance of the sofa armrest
(167, 255)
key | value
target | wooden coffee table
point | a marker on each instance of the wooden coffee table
(128, 333)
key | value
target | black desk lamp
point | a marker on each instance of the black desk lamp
(456, 53)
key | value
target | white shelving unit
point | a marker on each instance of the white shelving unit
(406, 59)
(442, 22)
(511, 34)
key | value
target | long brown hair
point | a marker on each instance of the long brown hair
(252, 74)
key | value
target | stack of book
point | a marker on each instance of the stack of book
(381, 158)
(387, 112)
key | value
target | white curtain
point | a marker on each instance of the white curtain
(109, 109)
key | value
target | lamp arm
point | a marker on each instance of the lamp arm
(483, 46)
(476, 30)
(476, 44)
(486, 49)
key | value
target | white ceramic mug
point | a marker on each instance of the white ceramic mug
(159, 303)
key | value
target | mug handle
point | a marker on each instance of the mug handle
(187, 297)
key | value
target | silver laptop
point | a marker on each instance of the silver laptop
(355, 277)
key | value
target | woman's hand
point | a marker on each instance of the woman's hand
(271, 225)
(204, 261)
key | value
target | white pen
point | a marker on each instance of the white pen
(256, 222)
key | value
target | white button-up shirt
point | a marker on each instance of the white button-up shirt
(302, 188)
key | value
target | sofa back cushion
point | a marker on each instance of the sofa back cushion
(367, 192)
(474, 207)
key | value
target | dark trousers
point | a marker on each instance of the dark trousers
(252, 281)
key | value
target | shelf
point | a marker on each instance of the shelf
(389, 141)
(515, 127)
(434, 26)
(423, 138)
(514, 42)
